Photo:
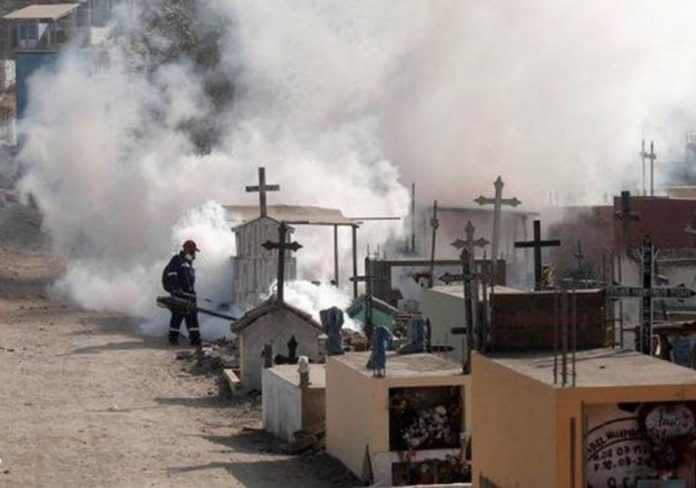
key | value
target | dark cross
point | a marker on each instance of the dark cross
(368, 278)
(498, 201)
(626, 215)
(434, 223)
(262, 188)
(647, 293)
(579, 259)
(652, 157)
(292, 349)
(282, 245)
(643, 155)
(538, 244)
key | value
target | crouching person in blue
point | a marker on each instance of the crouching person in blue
(179, 279)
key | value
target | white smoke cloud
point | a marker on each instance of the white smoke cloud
(343, 102)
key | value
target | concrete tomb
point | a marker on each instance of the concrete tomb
(268, 331)
(288, 406)
(406, 428)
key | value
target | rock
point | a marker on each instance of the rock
(185, 354)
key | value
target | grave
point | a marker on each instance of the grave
(289, 407)
(274, 323)
(630, 420)
(406, 428)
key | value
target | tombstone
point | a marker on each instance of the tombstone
(332, 323)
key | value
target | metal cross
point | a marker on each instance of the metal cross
(368, 278)
(498, 201)
(652, 157)
(647, 293)
(262, 188)
(626, 215)
(537, 244)
(282, 245)
(434, 223)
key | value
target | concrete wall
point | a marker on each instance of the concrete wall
(514, 428)
(444, 311)
(282, 405)
(275, 327)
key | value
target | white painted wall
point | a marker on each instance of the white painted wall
(282, 405)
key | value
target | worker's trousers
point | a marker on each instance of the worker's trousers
(191, 325)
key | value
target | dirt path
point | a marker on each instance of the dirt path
(85, 402)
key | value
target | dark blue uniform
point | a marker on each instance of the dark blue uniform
(179, 279)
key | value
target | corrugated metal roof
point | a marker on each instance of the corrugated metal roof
(292, 214)
(38, 12)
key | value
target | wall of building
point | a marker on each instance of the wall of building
(275, 327)
(513, 429)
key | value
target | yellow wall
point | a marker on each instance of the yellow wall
(514, 427)
(349, 413)
(521, 427)
(357, 410)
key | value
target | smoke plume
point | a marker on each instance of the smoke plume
(343, 103)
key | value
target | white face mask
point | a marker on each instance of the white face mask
(189, 257)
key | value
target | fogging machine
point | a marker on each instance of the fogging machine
(186, 306)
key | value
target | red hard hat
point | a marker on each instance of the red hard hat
(190, 246)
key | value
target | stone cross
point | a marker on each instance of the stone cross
(498, 201)
(282, 246)
(262, 188)
(626, 215)
(537, 244)
(434, 223)
(652, 157)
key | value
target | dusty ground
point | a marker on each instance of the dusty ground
(85, 402)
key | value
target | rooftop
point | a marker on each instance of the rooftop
(292, 214)
(403, 365)
(43, 12)
(269, 306)
(600, 368)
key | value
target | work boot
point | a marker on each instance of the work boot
(173, 340)
(196, 342)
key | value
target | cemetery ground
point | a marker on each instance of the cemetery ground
(86, 401)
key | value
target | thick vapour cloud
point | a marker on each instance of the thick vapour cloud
(343, 102)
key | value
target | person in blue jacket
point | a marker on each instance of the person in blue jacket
(179, 279)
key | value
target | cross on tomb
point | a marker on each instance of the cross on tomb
(368, 278)
(434, 223)
(498, 201)
(262, 188)
(626, 215)
(647, 293)
(537, 244)
(282, 246)
(652, 157)
(470, 244)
